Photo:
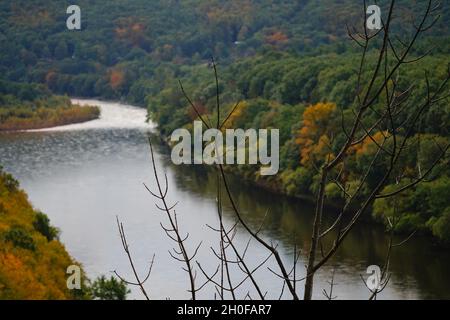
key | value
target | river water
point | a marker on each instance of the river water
(84, 175)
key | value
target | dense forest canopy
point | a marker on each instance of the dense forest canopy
(123, 43)
(290, 63)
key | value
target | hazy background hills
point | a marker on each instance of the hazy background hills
(139, 35)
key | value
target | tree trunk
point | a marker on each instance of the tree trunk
(309, 282)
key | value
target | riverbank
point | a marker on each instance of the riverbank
(43, 118)
(39, 109)
(435, 229)
(82, 176)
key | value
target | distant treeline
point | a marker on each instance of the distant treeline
(123, 43)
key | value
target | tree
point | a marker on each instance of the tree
(61, 50)
(382, 127)
(314, 137)
(42, 224)
(109, 289)
(382, 84)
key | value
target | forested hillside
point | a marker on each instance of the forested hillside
(33, 262)
(124, 43)
(290, 63)
(308, 99)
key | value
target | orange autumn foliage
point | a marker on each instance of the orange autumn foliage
(200, 109)
(277, 38)
(116, 79)
(130, 30)
(50, 77)
(34, 272)
(314, 135)
(368, 145)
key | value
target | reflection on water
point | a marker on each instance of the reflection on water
(419, 269)
(84, 175)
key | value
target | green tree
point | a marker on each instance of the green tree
(61, 50)
(42, 225)
(109, 289)
(20, 238)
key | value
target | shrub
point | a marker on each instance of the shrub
(19, 237)
(333, 192)
(425, 209)
(409, 222)
(441, 226)
(112, 289)
(41, 224)
(10, 183)
(297, 182)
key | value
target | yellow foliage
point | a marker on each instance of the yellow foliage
(236, 115)
(277, 38)
(314, 135)
(368, 145)
(25, 273)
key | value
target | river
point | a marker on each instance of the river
(84, 175)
